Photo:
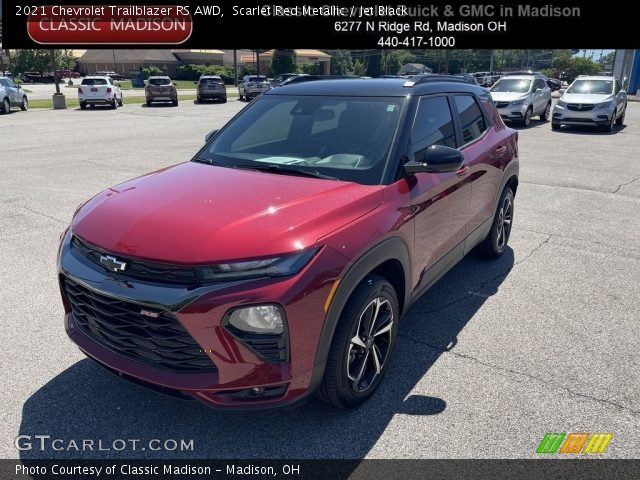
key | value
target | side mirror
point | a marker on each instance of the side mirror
(195, 83)
(208, 136)
(562, 90)
(538, 90)
(175, 84)
(436, 159)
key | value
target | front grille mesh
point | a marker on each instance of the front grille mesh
(119, 325)
(580, 107)
(501, 104)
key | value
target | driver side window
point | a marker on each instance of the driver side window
(433, 125)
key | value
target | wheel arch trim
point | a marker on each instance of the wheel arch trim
(393, 248)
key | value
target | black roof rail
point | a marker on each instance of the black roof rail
(433, 78)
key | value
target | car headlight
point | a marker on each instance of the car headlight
(265, 319)
(517, 102)
(561, 103)
(281, 266)
(604, 105)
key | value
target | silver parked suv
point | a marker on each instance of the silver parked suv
(11, 95)
(518, 98)
(591, 100)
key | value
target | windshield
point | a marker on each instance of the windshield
(257, 79)
(94, 81)
(159, 81)
(348, 138)
(600, 87)
(512, 85)
(211, 81)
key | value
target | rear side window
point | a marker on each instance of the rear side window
(94, 81)
(433, 125)
(472, 121)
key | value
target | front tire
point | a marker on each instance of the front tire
(362, 344)
(609, 126)
(544, 116)
(620, 120)
(526, 121)
(24, 106)
(496, 241)
(5, 107)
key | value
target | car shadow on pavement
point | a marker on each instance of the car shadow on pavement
(86, 402)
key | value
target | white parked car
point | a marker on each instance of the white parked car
(12, 95)
(99, 91)
(252, 86)
(518, 98)
(591, 100)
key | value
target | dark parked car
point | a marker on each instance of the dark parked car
(211, 87)
(281, 259)
(160, 89)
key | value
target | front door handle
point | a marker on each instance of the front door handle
(501, 150)
(462, 171)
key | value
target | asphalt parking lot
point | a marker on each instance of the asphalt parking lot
(493, 357)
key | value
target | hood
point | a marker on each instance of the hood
(585, 98)
(197, 213)
(507, 96)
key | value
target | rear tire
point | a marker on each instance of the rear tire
(175, 102)
(224, 100)
(121, 101)
(362, 344)
(83, 106)
(555, 125)
(149, 103)
(114, 103)
(496, 241)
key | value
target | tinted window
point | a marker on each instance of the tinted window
(539, 84)
(433, 125)
(159, 81)
(471, 118)
(600, 87)
(511, 85)
(94, 81)
(344, 137)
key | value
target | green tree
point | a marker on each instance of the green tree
(359, 69)
(39, 60)
(283, 61)
(341, 63)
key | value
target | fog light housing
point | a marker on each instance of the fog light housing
(259, 319)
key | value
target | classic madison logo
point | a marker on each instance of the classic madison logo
(574, 442)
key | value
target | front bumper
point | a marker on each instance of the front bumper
(587, 115)
(511, 112)
(200, 311)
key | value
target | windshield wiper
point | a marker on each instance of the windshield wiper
(285, 170)
(208, 162)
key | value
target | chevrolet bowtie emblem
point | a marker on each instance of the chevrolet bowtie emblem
(112, 263)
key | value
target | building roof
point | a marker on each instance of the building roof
(128, 56)
(207, 52)
(249, 57)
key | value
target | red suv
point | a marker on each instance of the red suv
(280, 260)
